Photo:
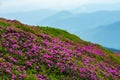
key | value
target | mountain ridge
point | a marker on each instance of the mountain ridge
(112, 49)
(110, 32)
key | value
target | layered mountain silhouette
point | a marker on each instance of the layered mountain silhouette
(106, 35)
(81, 22)
(29, 17)
(114, 50)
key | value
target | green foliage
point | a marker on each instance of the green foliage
(58, 32)
(99, 58)
(4, 24)
(1, 48)
(115, 58)
(31, 77)
(87, 43)
(25, 28)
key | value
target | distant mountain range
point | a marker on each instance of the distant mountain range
(112, 49)
(82, 22)
(30, 17)
(106, 35)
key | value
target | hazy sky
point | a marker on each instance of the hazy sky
(26, 5)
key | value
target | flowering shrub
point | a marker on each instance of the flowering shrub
(42, 53)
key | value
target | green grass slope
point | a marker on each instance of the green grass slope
(44, 53)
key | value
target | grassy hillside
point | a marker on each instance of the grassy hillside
(44, 53)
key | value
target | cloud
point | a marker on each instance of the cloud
(26, 5)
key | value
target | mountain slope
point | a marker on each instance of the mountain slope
(108, 35)
(43, 53)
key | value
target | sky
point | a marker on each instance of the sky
(8, 6)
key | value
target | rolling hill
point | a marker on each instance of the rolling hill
(44, 53)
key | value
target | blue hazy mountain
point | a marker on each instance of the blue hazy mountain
(29, 17)
(106, 35)
(58, 20)
(81, 22)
